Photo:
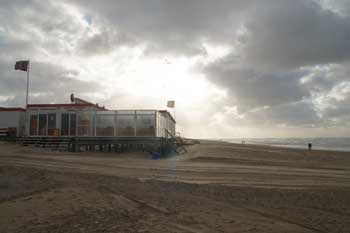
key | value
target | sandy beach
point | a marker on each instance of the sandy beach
(215, 187)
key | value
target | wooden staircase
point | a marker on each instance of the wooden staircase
(52, 143)
(8, 133)
(175, 144)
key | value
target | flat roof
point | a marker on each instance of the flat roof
(3, 109)
(98, 108)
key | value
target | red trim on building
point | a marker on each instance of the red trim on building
(2, 109)
(65, 106)
(59, 105)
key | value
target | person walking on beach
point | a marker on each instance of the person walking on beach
(310, 146)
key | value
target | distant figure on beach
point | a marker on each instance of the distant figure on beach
(310, 146)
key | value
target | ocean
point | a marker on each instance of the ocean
(339, 144)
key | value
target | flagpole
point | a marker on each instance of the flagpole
(27, 97)
(27, 85)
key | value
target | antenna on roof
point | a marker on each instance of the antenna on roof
(72, 97)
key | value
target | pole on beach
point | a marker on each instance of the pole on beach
(27, 94)
(24, 66)
(26, 124)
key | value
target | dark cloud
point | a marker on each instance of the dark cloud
(296, 33)
(254, 89)
(334, 105)
(177, 27)
(341, 7)
(279, 33)
(323, 78)
(267, 75)
(317, 96)
(40, 31)
(105, 42)
(48, 83)
(300, 113)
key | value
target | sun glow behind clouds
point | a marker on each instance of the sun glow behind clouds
(130, 72)
(169, 79)
(126, 69)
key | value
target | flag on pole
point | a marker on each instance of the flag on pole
(22, 65)
(171, 104)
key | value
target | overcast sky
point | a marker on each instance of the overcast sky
(236, 68)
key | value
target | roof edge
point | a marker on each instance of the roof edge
(3, 109)
(165, 111)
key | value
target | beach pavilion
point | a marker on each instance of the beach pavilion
(89, 123)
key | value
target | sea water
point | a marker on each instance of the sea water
(340, 144)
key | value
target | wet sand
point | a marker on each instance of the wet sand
(215, 187)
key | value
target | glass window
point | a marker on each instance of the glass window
(51, 126)
(125, 112)
(126, 125)
(172, 128)
(109, 112)
(145, 125)
(158, 124)
(65, 124)
(73, 124)
(105, 125)
(140, 112)
(84, 124)
(162, 125)
(42, 124)
(33, 131)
